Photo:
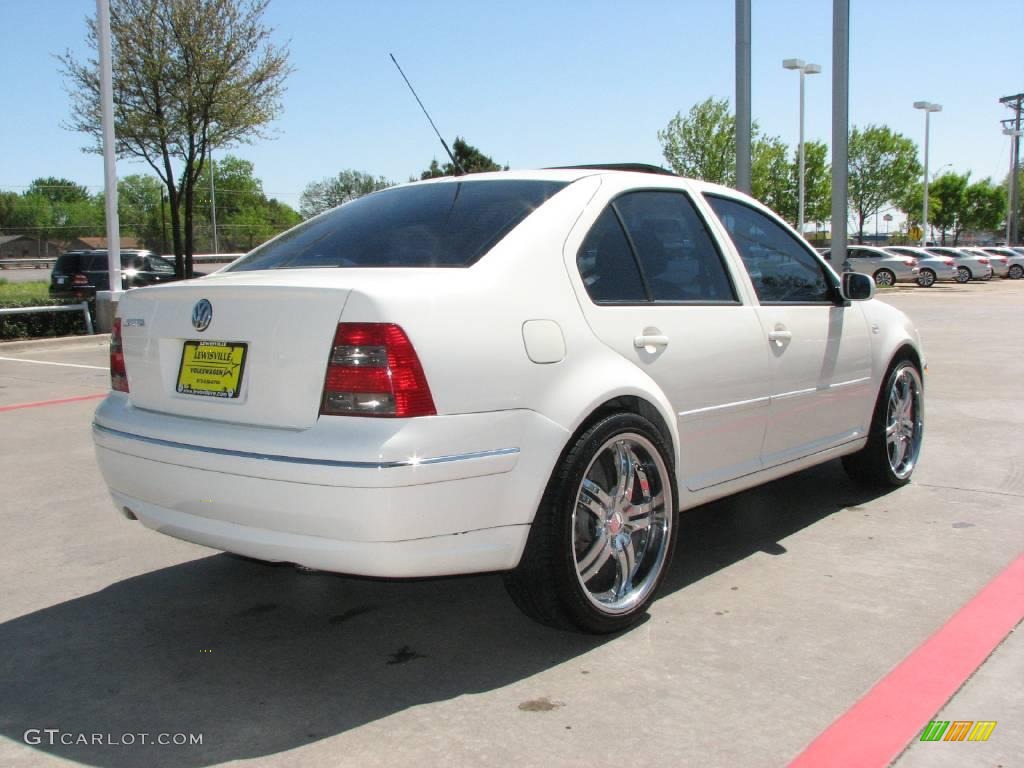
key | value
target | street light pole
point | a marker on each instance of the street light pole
(804, 69)
(928, 108)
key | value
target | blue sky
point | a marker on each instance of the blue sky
(550, 83)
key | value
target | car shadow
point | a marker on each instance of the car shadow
(262, 659)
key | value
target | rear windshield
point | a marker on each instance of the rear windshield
(447, 224)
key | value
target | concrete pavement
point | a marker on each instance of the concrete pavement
(784, 606)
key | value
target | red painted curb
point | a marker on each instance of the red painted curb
(41, 403)
(877, 728)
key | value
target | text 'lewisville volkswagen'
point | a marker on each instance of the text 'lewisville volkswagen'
(530, 372)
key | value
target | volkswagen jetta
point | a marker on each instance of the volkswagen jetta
(530, 372)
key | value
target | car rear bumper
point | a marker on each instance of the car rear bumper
(434, 512)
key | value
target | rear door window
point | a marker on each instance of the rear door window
(679, 259)
(444, 224)
(607, 265)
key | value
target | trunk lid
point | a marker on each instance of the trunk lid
(273, 328)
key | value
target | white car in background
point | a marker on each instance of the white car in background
(970, 266)
(930, 268)
(531, 372)
(1014, 260)
(886, 269)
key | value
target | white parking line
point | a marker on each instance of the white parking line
(47, 362)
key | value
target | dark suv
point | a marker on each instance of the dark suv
(79, 274)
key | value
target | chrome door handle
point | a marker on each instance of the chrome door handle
(650, 341)
(779, 337)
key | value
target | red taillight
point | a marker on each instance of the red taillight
(950, 263)
(910, 262)
(982, 260)
(79, 279)
(373, 370)
(118, 374)
(1004, 260)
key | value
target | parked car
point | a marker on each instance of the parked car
(931, 268)
(531, 372)
(1000, 264)
(886, 269)
(1014, 260)
(969, 266)
(79, 274)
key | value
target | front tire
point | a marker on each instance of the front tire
(926, 278)
(605, 530)
(884, 278)
(896, 433)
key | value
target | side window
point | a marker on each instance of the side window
(607, 265)
(679, 259)
(158, 264)
(781, 269)
(855, 253)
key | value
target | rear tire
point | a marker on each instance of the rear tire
(963, 275)
(884, 278)
(896, 433)
(605, 530)
(926, 278)
(1016, 272)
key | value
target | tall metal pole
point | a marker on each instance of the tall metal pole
(743, 179)
(213, 205)
(800, 212)
(928, 108)
(840, 128)
(109, 164)
(924, 210)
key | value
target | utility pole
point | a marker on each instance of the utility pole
(743, 162)
(840, 129)
(1013, 215)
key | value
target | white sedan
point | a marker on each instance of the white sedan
(530, 372)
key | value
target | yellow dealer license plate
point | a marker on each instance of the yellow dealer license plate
(211, 368)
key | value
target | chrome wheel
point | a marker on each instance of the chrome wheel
(926, 278)
(1016, 272)
(904, 422)
(621, 525)
(884, 277)
(963, 274)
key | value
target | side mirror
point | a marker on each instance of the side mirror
(857, 287)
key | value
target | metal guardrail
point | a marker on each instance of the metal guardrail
(83, 308)
(200, 258)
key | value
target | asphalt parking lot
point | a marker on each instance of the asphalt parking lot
(784, 607)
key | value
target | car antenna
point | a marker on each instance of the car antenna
(460, 171)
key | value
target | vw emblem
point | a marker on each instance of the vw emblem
(202, 314)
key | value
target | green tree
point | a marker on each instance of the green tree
(245, 217)
(702, 145)
(320, 196)
(984, 206)
(58, 190)
(770, 178)
(8, 203)
(470, 158)
(188, 75)
(882, 165)
(139, 202)
(947, 198)
(817, 182)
